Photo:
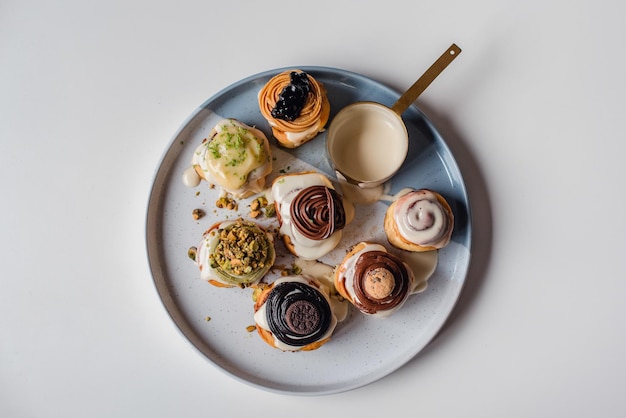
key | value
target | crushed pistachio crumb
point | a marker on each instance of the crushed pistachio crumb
(192, 252)
(226, 203)
(257, 205)
(197, 214)
(270, 210)
(242, 249)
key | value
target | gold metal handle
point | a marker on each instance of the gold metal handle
(424, 81)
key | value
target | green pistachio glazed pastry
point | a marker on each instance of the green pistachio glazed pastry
(235, 253)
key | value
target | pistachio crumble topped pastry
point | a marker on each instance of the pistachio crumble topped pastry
(235, 253)
(310, 212)
(296, 107)
(373, 280)
(295, 313)
(235, 156)
(420, 220)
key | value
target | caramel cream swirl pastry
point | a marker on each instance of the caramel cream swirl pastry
(373, 280)
(420, 220)
(235, 253)
(295, 313)
(235, 156)
(296, 107)
(311, 213)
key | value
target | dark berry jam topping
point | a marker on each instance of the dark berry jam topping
(292, 98)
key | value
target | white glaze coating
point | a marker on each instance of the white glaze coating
(237, 158)
(421, 218)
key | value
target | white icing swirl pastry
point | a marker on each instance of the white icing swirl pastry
(420, 220)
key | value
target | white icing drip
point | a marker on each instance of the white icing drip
(298, 138)
(207, 246)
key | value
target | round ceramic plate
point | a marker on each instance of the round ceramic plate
(216, 320)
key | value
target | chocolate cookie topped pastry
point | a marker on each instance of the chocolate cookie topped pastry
(311, 213)
(420, 220)
(373, 280)
(235, 253)
(295, 313)
(235, 156)
(295, 106)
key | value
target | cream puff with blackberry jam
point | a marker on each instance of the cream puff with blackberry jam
(296, 107)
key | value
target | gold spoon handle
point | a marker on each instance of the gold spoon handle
(424, 81)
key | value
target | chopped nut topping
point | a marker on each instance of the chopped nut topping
(197, 214)
(192, 252)
(270, 211)
(226, 203)
(242, 249)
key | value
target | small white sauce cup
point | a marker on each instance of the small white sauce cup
(368, 142)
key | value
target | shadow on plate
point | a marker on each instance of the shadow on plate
(481, 216)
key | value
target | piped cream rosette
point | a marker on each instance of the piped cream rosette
(312, 117)
(235, 156)
(235, 253)
(310, 212)
(420, 220)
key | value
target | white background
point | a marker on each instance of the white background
(91, 93)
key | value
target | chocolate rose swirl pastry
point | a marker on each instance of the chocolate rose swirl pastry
(235, 253)
(375, 281)
(420, 220)
(311, 214)
(296, 107)
(317, 211)
(294, 313)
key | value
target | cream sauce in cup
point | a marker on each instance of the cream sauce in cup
(368, 142)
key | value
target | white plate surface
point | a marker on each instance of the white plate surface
(362, 349)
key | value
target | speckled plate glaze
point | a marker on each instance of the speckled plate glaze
(214, 320)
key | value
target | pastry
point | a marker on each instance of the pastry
(373, 280)
(295, 313)
(235, 253)
(420, 220)
(311, 214)
(296, 107)
(235, 156)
